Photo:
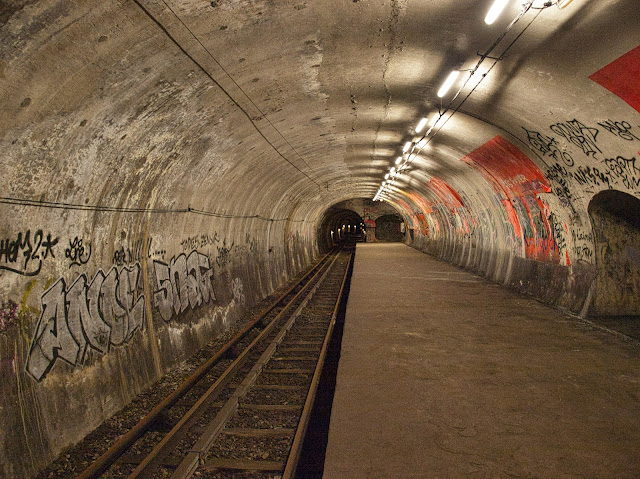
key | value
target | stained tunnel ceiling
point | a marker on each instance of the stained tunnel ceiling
(282, 108)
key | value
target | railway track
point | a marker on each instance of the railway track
(244, 412)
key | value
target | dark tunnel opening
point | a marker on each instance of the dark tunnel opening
(338, 225)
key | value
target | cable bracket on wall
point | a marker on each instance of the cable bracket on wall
(484, 56)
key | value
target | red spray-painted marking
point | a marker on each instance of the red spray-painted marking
(513, 171)
(517, 181)
(445, 193)
(622, 77)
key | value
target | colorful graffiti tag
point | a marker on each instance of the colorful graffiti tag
(518, 182)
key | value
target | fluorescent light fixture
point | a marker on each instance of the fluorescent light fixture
(495, 11)
(393, 170)
(448, 83)
(386, 177)
(407, 145)
(422, 143)
(398, 160)
(421, 125)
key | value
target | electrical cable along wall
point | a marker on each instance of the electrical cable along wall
(168, 164)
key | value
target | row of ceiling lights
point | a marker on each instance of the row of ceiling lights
(411, 149)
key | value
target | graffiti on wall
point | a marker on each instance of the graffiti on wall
(581, 135)
(621, 129)
(615, 172)
(8, 314)
(518, 182)
(626, 170)
(199, 241)
(224, 252)
(548, 146)
(136, 251)
(560, 232)
(608, 172)
(445, 193)
(85, 316)
(25, 253)
(582, 249)
(250, 246)
(76, 252)
(184, 282)
(418, 214)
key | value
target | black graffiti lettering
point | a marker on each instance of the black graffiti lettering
(548, 146)
(76, 253)
(138, 252)
(581, 236)
(581, 135)
(30, 253)
(105, 312)
(585, 175)
(199, 241)
(583, 253)
(622, 129)
(119, 256)
(186, 282)
(557, 231)
(23, 255)
(224, 254)
(48, 245)
(558, 176)
(626, 170)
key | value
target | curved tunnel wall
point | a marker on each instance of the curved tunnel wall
(122, 250)
(148, 200)
(535, 242)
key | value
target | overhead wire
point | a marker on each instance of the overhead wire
(121, 209)
(264, 115)
(472, 71)
(483, 57)
(103, 208)
(457, 108)
(210, 76)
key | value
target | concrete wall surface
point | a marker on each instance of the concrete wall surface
(166, 165)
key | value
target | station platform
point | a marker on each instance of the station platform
(444, 374)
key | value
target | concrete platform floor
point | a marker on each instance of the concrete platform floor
(446, 375)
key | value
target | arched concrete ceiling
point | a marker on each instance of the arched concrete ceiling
(166, 164)
(281, 109)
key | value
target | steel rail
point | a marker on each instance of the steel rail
(301, 431)
(150, 462)
(195, 456)
(124, 442)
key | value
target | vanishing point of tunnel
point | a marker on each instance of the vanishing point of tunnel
(167, 165)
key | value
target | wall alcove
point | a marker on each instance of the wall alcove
(389, 228)
(615, 217)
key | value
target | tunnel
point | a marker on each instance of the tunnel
(166, 166)
(338, 225)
